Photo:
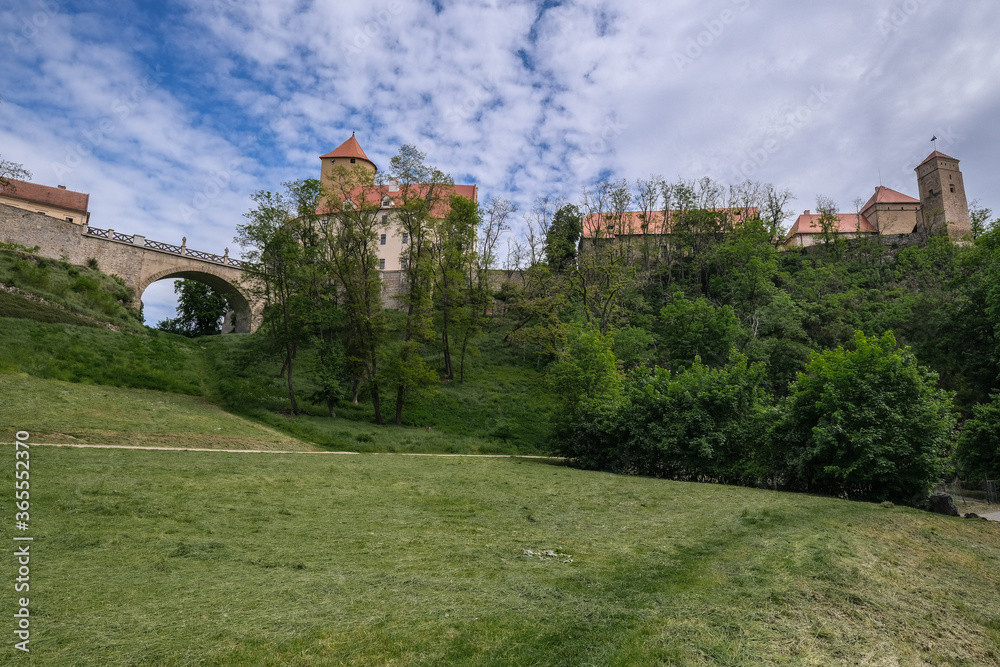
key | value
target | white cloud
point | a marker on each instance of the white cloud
(253, 91)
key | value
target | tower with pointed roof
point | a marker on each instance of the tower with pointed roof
(942, 195)
(349, 155)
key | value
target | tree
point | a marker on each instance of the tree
(422, 189)
(701, 424)
(275, 242)
(455, 287)
(979, 219)
(978, 448)
(865, 424)
(562, 238)
(12, 170)
(350, 232)
(200, 310)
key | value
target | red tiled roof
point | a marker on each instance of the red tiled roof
(934, 155)
(350, 148)
(846, 223)
(607, 225)
(43, 194)
(885, 195)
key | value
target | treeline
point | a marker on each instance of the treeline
(687, 343)
(684, 341)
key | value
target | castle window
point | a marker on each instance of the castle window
(352, 160)
(953, 188)
(386, 202)
(406, 238)
(381, 240)
(402, 263)
(69, 219)
(381, 264)
(385, 219)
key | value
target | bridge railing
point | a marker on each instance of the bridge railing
(182, 249)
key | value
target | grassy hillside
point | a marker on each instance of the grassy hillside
(175, 558)
(52, 291)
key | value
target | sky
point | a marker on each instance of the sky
(170, 114)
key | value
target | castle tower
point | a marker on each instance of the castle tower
(942, 195)
(349, 155)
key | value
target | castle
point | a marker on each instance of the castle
(392, 241)
(942, 204)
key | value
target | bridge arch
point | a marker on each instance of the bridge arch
(242, 315)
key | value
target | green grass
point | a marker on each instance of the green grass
(179, 558)
(73, 413)
(87, 293)
(101, 356)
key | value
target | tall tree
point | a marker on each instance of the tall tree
(563, 237)
(422, 195)
(454, 253)
(350, 231)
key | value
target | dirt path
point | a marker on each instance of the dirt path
(274, 451)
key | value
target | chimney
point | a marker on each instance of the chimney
(393, 185)
(62, 187)
(806, 213)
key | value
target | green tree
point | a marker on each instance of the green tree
(978, 448)
(200, 310)
(865, 424)
(702, 424)
(421, 196)
(562, 238)
(350, 231)
(689, 330)
(454, 283)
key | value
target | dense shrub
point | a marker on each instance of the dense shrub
(867, 423)
(978, 449)
(700, 424)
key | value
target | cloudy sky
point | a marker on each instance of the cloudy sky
(171, 113)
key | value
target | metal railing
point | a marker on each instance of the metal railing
(182, 249)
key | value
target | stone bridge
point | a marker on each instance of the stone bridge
(136, 259)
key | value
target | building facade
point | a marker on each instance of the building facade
(57, 202)
(942, 205)
(392, 240)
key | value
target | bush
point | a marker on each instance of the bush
(865, 424)
(702, 424)
(978, 449)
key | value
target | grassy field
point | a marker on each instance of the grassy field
(66, 412)
(180, 558)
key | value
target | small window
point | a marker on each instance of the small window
(386, 202)
(381, 240)
(385, 219)
(953, 188)
(69, 219)
(381, 264)
(406, 238)
(403, 263)
(352, 160)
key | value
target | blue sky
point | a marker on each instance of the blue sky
(170, 114)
